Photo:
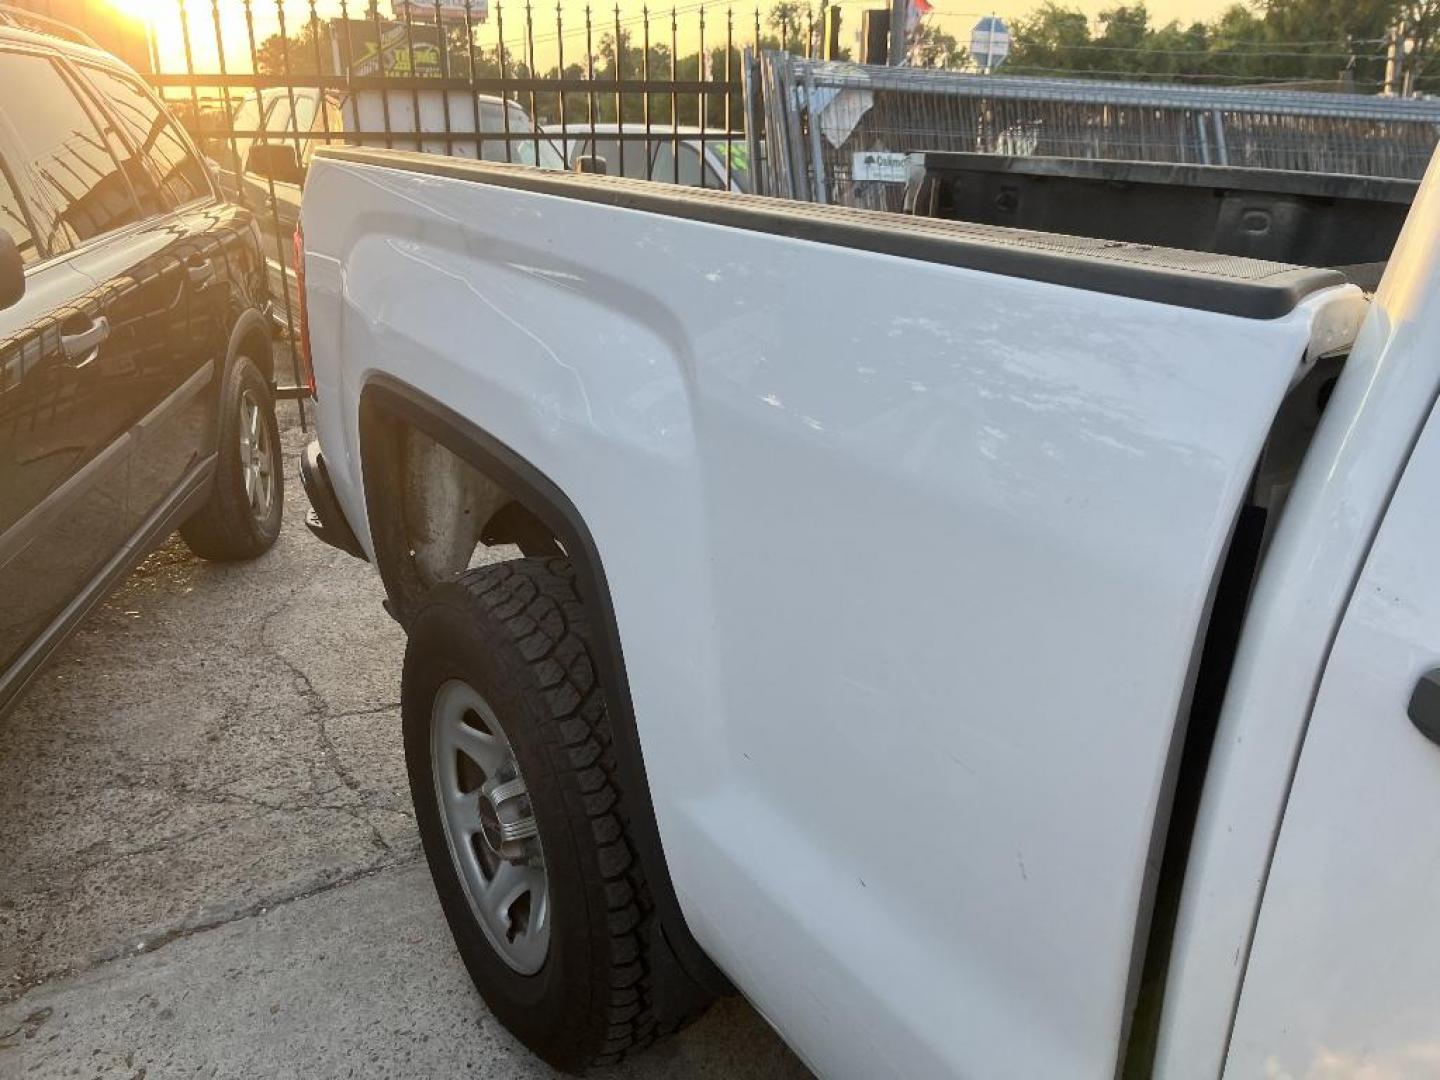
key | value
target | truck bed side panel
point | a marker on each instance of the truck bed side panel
(908, 560)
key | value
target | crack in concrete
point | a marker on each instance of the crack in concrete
(319, 711)
(184, 930)
(322, 782)
(327, 774)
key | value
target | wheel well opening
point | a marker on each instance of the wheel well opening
(433, 514)
(479, 495)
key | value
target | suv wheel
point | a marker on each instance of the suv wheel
(508, 748)
(242, 517)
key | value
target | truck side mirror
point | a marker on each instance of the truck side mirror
(590, 163)
(276, 161)
(12, 271)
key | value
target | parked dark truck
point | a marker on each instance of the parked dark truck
(1348, 223)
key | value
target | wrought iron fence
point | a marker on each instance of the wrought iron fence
(262, 83)
(824, 118)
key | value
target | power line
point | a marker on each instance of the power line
(1172, 75)
(1219, 51)
(1232, 41)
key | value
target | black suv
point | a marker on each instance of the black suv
(135, 361)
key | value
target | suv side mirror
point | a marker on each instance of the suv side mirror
(590, 163)
(277, 161)
(12, 271)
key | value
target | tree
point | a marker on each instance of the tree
(1051, 38)
(932, 47)
(271, 55)
(1271, 41)
(793, 24)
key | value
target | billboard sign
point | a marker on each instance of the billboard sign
(390, 52)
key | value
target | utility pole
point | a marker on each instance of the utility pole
(1409, 61)
(899, 31)
(830, 33)
(1394, 59)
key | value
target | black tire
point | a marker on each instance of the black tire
(228, 527)
(517, 633)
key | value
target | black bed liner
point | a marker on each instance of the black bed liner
(1231, 285)
(1346, 223)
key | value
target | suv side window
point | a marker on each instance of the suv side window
(247, 118)
(689, 163)
(331, 117)
(609, 149)
(15, 221)
(154, 135)
(281, 120)
(86, 191)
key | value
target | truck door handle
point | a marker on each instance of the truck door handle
(200, 271)
(83, 347)
(1425, 705)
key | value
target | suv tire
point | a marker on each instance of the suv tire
(241, 519)
(515, 635)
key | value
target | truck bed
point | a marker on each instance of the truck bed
(877, 505)
(1345, 222)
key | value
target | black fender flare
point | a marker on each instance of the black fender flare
(251, 321)
(675, 945)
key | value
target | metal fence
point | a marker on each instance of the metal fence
(827, 124)
(262, 83)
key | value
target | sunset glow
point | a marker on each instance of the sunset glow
(163, 22)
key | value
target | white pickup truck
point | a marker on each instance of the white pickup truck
(993, 653)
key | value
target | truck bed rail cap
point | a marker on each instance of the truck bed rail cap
(1227, 284)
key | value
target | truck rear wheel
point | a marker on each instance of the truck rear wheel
(512, 772)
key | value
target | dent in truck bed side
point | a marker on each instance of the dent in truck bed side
(1229, 284)
(848, 503)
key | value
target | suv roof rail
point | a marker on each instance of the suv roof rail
(23, 19)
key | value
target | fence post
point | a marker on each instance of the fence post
(790, 92)
(1221, 150)
(819, 181)
(750, 99)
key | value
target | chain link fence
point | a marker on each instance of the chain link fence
(835, 131)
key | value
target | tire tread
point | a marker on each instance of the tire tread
(537, 602)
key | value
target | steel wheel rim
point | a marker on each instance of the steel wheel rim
(490, 826)
(257, 466)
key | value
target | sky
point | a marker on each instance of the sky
(955, 16)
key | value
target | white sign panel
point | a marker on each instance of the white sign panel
(990, 42)
(883, 166)
(450, 10)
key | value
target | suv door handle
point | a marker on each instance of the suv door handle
(1424, 707)
(83, 347)
(200, 272)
